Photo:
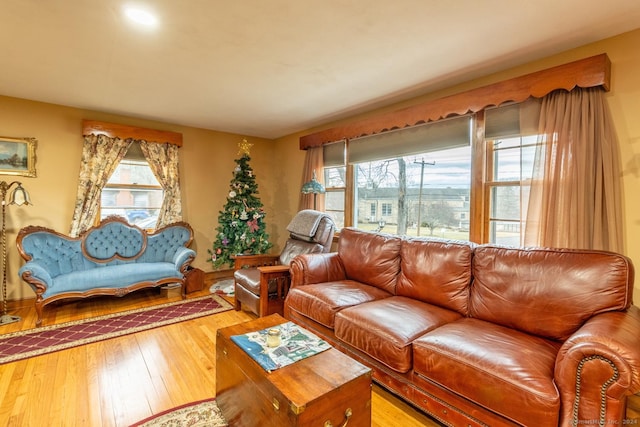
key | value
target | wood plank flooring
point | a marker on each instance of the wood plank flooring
(123, 380)
(120, 381)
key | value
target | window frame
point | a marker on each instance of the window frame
(335, 189)
(492, 183)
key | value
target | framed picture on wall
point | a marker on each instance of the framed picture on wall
(18, 156)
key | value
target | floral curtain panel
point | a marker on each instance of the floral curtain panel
(100, 157)
(163, 160)
(576, 198)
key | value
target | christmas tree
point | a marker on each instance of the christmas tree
(241, 226)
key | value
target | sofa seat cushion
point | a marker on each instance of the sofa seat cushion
(321, 301)
(113, 276)
(384, 329)
(500, 368)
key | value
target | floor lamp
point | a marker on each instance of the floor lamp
(314, 187)
(18, 196)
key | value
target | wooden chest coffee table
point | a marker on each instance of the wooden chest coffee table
(323, 390)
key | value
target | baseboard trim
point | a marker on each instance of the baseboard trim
(214, 276)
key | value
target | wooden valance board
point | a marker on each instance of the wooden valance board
(590, 72)
(114, 130)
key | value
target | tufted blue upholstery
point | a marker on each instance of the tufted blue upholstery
(114, 239)
(54, 254)
(165, 245)
(112, 258)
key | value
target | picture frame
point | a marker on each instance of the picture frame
(18, 156)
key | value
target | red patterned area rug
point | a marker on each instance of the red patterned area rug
(204, 413)
(47, 339)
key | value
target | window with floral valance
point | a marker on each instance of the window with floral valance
(105, 145)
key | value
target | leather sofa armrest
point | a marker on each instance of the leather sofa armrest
(316, 268)
(598, 367)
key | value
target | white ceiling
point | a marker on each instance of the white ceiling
(269, 68)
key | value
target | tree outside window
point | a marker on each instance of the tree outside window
(413, 199)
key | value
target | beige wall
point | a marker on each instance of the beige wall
(624, 101)
(207, 158)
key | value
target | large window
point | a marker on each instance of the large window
(133, 192)
(419, 181)
(502, 143)
(407, 182)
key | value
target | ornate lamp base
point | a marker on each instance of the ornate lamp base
(7, 318)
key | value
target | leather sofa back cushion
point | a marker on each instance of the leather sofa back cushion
(548, 292)
(370, 258)
(437, 272)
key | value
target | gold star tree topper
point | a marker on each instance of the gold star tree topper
(244, 146)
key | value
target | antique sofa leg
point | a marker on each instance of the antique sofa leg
(183, 289)
(39, 314)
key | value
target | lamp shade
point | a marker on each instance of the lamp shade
(313, 186)
(19, 196)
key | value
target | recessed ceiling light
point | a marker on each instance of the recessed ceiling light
(141, 16)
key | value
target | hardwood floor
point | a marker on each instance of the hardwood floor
(120, 381)
(123, 380)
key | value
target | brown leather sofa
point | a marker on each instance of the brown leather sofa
(479, 335)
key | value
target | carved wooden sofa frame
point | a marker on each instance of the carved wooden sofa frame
(112, 258)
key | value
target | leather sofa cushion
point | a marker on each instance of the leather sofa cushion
(249, 279)
(486, 364)
(370, 258)
(384, 329)
(547, 292)
(437, 272)
(320, 302)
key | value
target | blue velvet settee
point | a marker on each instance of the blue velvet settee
(112, 258)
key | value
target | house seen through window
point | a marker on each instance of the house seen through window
(133, 192)
(425, 194)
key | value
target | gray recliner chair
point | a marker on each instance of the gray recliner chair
(261, 282)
